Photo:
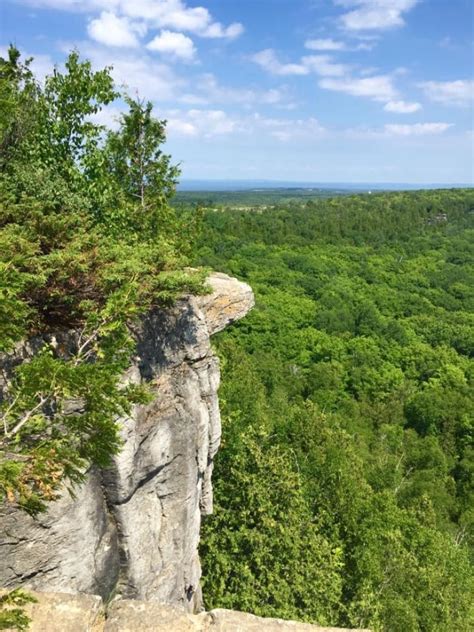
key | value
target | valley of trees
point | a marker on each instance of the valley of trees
(344, 483)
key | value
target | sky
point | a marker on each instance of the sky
(294, 90)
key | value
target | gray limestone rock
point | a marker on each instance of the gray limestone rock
(70, 548)
(131, 616)
(134, 616)
(133, 529)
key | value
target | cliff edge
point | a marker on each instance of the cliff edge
(132, 530)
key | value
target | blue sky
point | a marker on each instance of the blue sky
(303, 90)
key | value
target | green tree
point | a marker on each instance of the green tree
(64, 270)
(137, 162)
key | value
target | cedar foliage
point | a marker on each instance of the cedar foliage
(87, 243)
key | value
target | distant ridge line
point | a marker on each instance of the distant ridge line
(252, 185)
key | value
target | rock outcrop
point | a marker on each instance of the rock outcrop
(55, 612)
(133, 530)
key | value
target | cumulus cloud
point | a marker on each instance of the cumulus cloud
(198, 122)
(416, 129)
(324, 66)
(460, 92)
(174, 44)
(320, 64)
(216, 29)
(336, 76)
(374, 14)
(402, 107)
(111, 30)
(269, 61)
(173, 14)
(377, 87)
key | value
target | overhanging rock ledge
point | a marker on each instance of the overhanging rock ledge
(133, 529)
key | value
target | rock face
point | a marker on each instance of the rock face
(133, 529)
(56, 612)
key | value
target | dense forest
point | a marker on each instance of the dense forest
(344, 484)
(253, 198)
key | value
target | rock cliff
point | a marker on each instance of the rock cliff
(132, 530)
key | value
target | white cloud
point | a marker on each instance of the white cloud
(111, 30)
(268, 60)
(324, 44)
(331, 45)
(460, 92)
(416, 129)
(374, 14)
(150, 80)
(377, 87)
(205, 123)
(402, 107)
(174, 14)
(217, 30)
(202, 123)
(138, 71)
(323, 65)
(398, 131)
(174, 44)
(336, 77)
(320, 64)
(180, 127)
(198, 20)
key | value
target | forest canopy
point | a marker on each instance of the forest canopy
(343, 489)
